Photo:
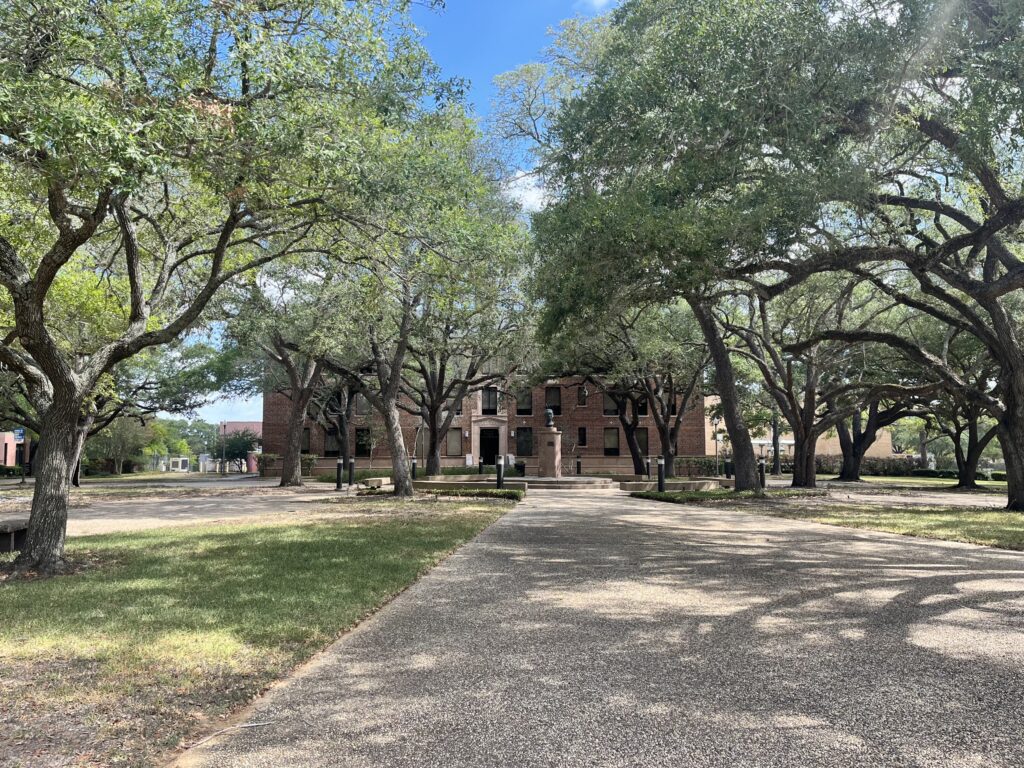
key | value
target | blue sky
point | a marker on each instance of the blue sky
(475, 40)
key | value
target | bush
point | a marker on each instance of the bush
(697, 497)
(308, 462)
(888, 467)
(944, 473)
(511, 494)
(696, 466)
(10, 471)
(265, 462)
(999, 476)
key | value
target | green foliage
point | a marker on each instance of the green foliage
(724, 494)
(509, 494)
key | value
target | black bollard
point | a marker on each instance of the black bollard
(340, 472)
(648, 460)
(728, 469)
(579, 466)
(760, 473)
(351, 472)
(661, 474)
(481, 469)
(413, 467)
(499, 466)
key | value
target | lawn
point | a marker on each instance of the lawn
(933, 483)
(164, 633)
(993, 528)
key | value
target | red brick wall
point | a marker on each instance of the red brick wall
(573, 416)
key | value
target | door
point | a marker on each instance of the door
(489, 445)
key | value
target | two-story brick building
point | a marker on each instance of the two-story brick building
(494, 422)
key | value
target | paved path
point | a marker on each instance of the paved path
(604, 631)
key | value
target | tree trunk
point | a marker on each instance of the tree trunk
(776, 446)
(744, 460)
(1011, 438)
(434, 438)
(668, 450)
(804, 454)
(639, 467)
(291, 462)
(399, 456)
(922, 448)
(60, 443)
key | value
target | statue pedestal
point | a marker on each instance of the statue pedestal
(550, 453)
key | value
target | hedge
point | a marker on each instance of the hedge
(511, 494)
(696, 497)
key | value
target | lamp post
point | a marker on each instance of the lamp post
(714, 428)
(661, 474)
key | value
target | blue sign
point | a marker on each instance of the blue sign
(19, 435)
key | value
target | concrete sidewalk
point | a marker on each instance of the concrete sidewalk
(605, 631)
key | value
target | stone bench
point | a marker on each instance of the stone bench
(13, 534)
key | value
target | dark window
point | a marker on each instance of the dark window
(454, 442)
(361, 406)
(331, 447)
(641, 407)
(581, 439)
(641, 439)
(611, 441)
(524, 441)
(610, 407)
(363, 445)
(458, 407)
(581, 395)
(674, 408)
(489, 401)
(305, 440)
(524, 403)
(553, 400)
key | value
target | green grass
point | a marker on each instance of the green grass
(936, 483)
(168, 630)
(724, 494)
(992, 528)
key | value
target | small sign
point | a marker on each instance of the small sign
(19, 435)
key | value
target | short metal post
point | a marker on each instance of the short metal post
(351, 472)
(413, 467)
(661, 474)
(481, 468)
(728, 469)
(648, 461)
(579, 466)
(760, 473)
(340, 473)
(500, 468)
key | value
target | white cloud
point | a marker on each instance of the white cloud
(526, 190)
(594, 6)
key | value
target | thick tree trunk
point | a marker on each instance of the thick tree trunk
(744, 460)
(399, 456)
(639, 466)
(668, 450)
(1011, 438)
(291, 462)
(60, 443)
(804, 470)
(434, 439)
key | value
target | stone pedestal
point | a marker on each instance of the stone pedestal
(550, 452)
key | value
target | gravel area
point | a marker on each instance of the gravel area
(607, 631)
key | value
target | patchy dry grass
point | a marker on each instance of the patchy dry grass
(994, 528)
(166, 632)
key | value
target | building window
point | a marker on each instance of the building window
(489, 401)
(453, 443)
(524, 403)
(674, 409)
(611, 408)
(524, 441)
(331, 446)
(641, 407)
(581, 437)
(363, 443)
(360, 405)
(641, 439)
(458, 407)
(611, 441)
(581, 395)
(305, 440)
(553, 400)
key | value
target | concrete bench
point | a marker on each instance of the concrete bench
(376, 482)
(673, 485)
(13, 534)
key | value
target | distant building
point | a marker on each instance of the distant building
(492, 423)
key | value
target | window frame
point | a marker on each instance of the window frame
(519, 436)
(581, 437)
(556, 408)
(617, 450)
(363, 450)
(484, 394)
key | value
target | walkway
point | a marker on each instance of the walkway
(603, 631)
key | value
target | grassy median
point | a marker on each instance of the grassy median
(993, 528)
(163, 633)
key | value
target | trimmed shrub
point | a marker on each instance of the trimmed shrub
(723, 494)
(265, 462)
(510, 494)
(943, 473)
(999, 476)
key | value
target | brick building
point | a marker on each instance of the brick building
(493, 423)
